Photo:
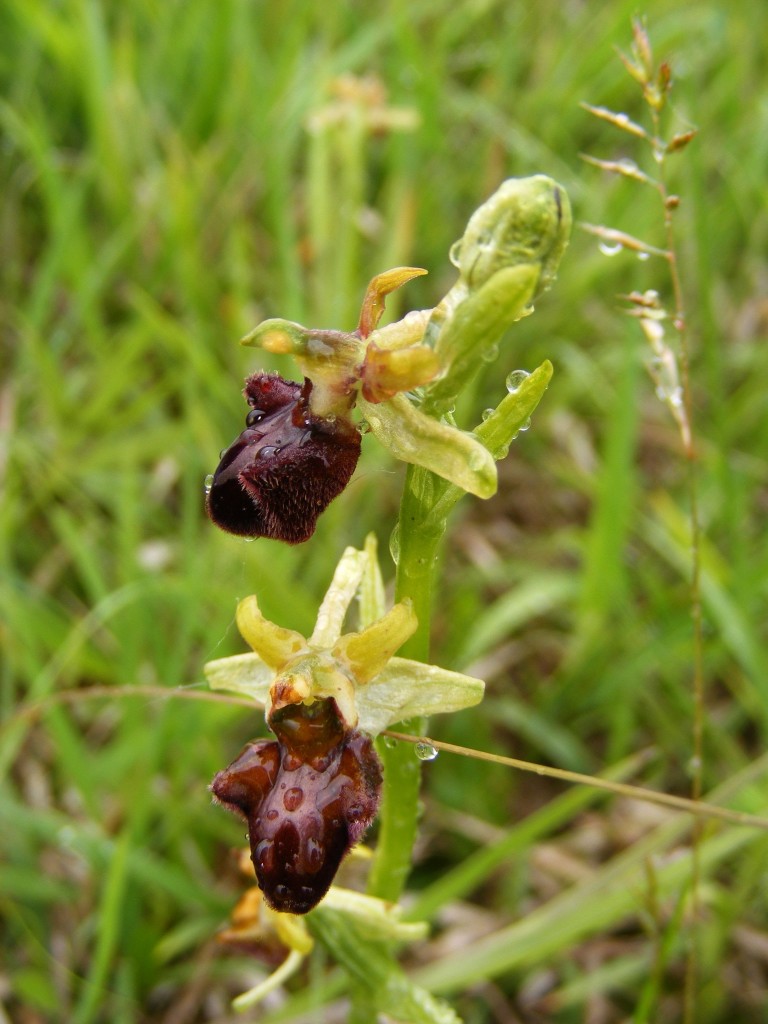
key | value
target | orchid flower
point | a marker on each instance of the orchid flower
(309, 795)
(300, 446)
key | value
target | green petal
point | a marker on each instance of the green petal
(414, 437)
(407, 689)
(343, 587)
(245, 674)
(275, 644)
(366, 654)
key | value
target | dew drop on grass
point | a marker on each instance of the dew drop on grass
(487, 413)
(524, 426)
(610, 250)
(489, 354)
(515, 379)
(425, 751)
(208, 483)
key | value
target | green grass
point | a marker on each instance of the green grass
(161, 195)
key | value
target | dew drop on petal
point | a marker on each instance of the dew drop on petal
(425, 751)
(208, 483)
(515, 379)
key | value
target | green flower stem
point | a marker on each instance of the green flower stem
(416, 567)
(426, 503)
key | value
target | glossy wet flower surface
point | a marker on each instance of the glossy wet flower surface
(307, 796)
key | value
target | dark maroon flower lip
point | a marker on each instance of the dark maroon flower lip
(306, 806)
(285, 468)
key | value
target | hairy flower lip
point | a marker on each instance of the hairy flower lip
(284, 469)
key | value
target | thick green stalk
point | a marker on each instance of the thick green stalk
(416, 567)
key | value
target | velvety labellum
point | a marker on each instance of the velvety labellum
(285, 468)
(307, 796)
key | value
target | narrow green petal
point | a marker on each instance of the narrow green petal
(275, 644)
(407, 689)
(245, 674)
(372, 603)
(414, 437)
(365, 654)
(338, 597)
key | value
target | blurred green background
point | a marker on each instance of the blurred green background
(171, 173)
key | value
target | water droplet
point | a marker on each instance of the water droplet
(314, 855)
(390, 742)
(487, 413)
(394, 544)
(293, 798)
(515, 379)
(454, 253)
(425, 751)
(208, 483)
(643, 256)
(524, 426)
(490, 353)
(268, 451)
(610, 250)
(265, 855)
